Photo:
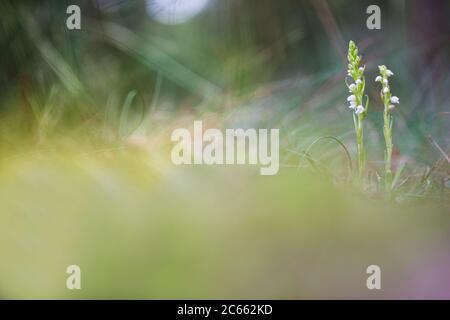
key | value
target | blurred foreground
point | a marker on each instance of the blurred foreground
(85, 171)
(140, 227)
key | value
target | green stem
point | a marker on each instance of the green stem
(358, 121)
(360, 146)
(387, 130)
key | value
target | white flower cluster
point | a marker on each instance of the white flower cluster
(352, 100)
(388, 99)
(356, 89)
(355, 71)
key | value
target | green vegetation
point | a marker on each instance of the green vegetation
(86, 176)
(355, 71)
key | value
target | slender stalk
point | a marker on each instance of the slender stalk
(388, 102)
(388, 152)
(356, 72)
(361, 151)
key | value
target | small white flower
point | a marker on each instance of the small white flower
(395, 99)
(385, 90)
(351, 98)
(391, 107)
(352, 87)
(389, 73)
(385, 81)
(352, 104)
(378, 79)
(358, 81)
(361, 69)
(359, 109)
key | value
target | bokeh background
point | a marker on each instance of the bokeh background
(85, 171)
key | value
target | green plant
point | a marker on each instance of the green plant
(389, 101)
(356, 72)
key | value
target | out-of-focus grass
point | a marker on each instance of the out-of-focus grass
(85, 176)
(140, 227)
(102, 193)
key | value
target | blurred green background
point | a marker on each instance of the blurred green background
(85, 171)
